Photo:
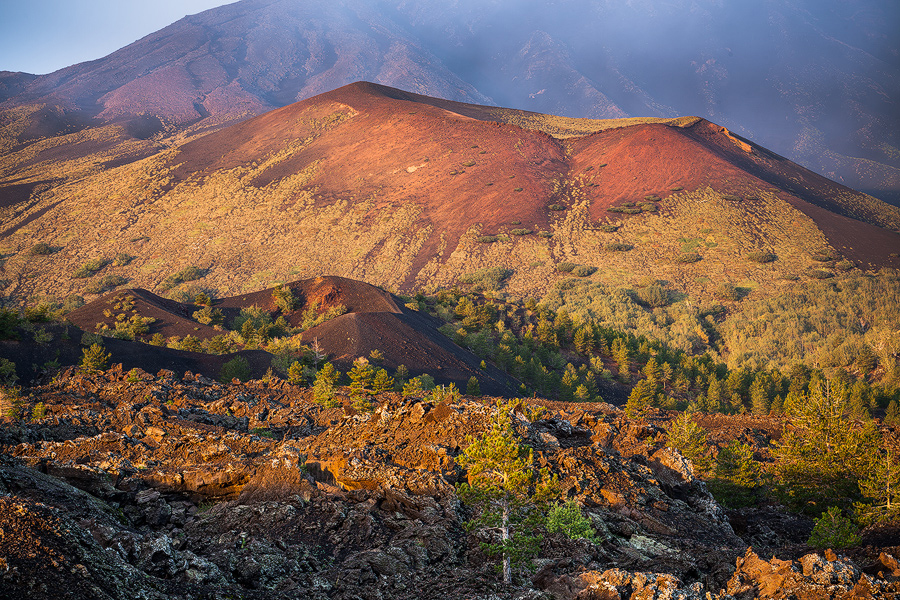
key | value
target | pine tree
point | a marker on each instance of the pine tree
(546, 334)
(690, 439)
(323, 388)
(568, 384)
(401, 375)
(714, 395)
(737, 475)
(583, 340)
(640, 400)
(382, 382)
(505, 491)
(892, 416)
(622, 356)
(95, 358)
(824, 451)
(361, 378)
(582, 394)
(882, 489)
(473, 388)
(759, 397)
(295, 373)
(653, 372)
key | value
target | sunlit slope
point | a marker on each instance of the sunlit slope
(409, 192)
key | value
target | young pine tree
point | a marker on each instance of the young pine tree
(382, 382)
(882, 489)
(505, 491)
(641, 399)
(323, 388)
(690, 439)
(361, 377)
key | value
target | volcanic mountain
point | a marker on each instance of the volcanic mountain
(410, 192)
(815, 81)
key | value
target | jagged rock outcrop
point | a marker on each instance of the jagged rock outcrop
(148, 486)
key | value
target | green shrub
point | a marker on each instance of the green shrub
(607, 228)
(557, 207)
(628, 210)
(653, 295)
(7, 372)
(491, 278)
(565, 267)
(822, 256)
(11, 402)
(312, 318)
(761, 257)
(38, 412)
(209, 316)
(649, 207)
(618, 247)
(844, 265)
(37, 314)
(122, 259)
(517, 189)
(105, 283)
(89, 268)
(833, 530)
(584, 271)
(236, 368)
(727, 291)
(688, 257)
(186, 274)
(545, 234)
(820, 274)
(95, 358)
(187, 294)
(202, 299)
(568, 520)
(488, 239)
(521, 231)
(9, 320)
(677, 188)
(41, 249)
(731, 197)
(285, 299)
(473, 387)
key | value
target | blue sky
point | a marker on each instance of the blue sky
(41, 36)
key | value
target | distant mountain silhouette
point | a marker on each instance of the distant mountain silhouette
(816, 81)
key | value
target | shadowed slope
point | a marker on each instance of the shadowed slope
(374, 321)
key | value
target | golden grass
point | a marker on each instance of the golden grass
(567, 127)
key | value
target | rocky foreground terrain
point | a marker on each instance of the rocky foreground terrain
(133, 485)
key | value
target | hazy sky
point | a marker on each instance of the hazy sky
(41, 36)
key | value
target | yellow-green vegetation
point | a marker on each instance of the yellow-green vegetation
(506, 492)
(566, 127)
(95, 358)
(126, 321)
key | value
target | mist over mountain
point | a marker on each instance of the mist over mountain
(815, 81)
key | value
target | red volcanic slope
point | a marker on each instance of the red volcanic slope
(463, 168)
